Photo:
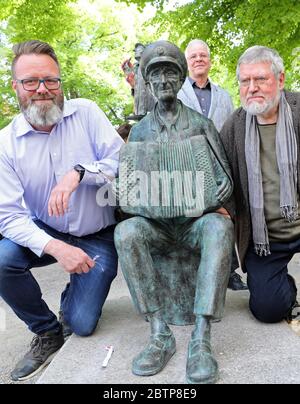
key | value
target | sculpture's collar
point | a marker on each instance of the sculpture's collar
(180, 122)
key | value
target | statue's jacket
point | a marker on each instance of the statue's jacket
(189, 123)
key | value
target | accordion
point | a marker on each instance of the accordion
(168, 180)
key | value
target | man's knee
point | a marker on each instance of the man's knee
(82, 326)
(268, 311)
(6, 265)
(219, 227)
(128, 232)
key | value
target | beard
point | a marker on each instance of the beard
(42, 115)
(257, 108)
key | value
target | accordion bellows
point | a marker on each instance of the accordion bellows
(169, 180)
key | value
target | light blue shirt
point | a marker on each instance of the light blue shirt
(33, 162)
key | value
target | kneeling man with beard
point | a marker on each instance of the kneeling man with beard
(54, 156)
(262, 143)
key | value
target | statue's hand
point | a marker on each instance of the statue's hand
(223, 212)
(130, 79)
(223, 191)
(127, 68)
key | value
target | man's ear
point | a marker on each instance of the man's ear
(14, 85)
(281, 80)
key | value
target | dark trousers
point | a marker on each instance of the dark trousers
(272, 290)
(84, 296)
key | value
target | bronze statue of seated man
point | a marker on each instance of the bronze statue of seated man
(174, 139)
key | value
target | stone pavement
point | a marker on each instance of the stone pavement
(247, 351)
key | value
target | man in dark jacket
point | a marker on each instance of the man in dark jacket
(261, 140)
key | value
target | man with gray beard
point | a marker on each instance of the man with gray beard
(54, 156)
(261, 140)
(42, 115)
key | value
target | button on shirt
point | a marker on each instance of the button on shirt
(203, 95)
(33, 162)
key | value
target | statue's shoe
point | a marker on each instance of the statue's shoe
(155, 356)
(201, 367)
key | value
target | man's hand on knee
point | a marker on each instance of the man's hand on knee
(223, 212)
(72, 259)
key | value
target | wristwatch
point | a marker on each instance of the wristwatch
(80, 170)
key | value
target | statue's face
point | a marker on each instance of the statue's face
(165, 81)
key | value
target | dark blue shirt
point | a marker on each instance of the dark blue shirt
(203, 95)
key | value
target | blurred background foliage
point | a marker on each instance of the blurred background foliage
(93, 37)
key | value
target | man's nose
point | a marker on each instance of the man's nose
(42, 88)
(163, 77)
(252, 86)
(199, 57)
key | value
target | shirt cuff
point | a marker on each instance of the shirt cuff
(93, 176)
(38, 242)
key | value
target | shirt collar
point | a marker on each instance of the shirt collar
(160, 122)
(207, 85)
(181, 121)
(23, 127)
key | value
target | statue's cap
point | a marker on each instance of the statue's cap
(162, 52)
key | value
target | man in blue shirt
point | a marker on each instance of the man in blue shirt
(54, 157)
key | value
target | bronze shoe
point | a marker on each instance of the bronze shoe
(155, 356)
(201, 367)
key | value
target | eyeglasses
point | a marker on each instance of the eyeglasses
(257, 81)
(33, 84)
(195, 56)
(168, 72)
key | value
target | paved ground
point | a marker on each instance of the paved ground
(247, 351)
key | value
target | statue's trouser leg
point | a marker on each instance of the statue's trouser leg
(133, 239)
(213, 235)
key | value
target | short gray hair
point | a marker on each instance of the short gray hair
(258, 54)
(32, 47)
(197, 42)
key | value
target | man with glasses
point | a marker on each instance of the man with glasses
(54, 156)
(201, 94)
(261, 140)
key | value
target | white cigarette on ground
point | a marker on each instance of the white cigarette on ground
(110, 350)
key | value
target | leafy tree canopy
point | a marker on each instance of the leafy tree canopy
(91, 39)
(231, 26)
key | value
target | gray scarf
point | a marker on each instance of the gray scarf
(286, 153)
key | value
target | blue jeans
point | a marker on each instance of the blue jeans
(272, 290)
(82, 300)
